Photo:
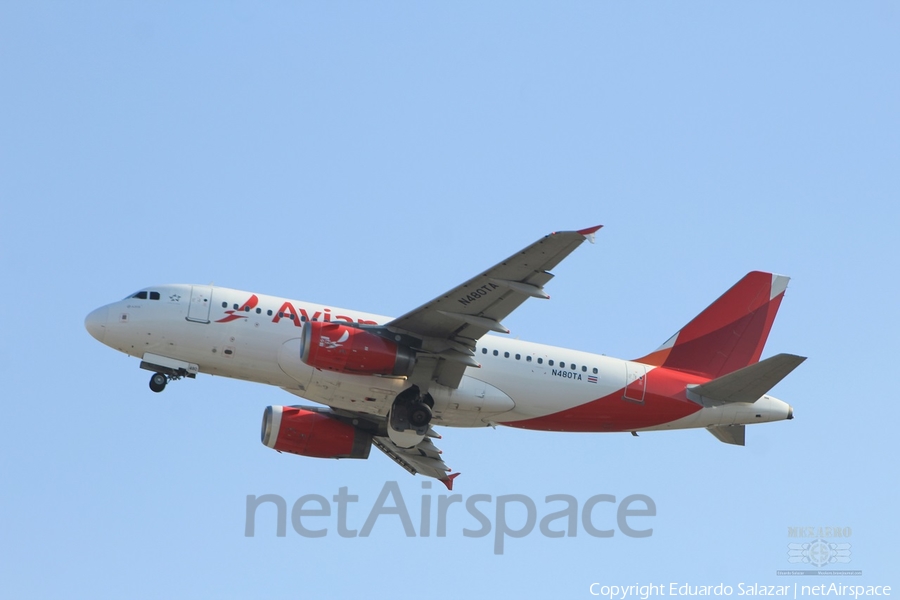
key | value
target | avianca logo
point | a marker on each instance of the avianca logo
(325, 341)
(245, 307)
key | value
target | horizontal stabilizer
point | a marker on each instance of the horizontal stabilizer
(730, 434)
(745, 385)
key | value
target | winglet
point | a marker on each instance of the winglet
(448, 481)
(589, 232)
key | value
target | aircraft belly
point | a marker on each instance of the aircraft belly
(663, 401)
(234, 354)
(359, 393)
(474, 403)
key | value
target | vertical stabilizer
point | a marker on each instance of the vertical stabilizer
(730, 334)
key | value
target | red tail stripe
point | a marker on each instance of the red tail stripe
(728, 335)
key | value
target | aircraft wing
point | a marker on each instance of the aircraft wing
(450, 324)
(423, 458)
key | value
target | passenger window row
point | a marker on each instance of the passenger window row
(540, 361)
(281, 315)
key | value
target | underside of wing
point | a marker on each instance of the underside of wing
(424, 458)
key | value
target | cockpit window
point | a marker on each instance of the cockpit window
(144, 294)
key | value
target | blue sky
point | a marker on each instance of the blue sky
(372, 156)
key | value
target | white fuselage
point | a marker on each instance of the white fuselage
(223, 332)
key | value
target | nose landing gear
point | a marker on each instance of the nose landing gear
(166, 369)
(158, 382)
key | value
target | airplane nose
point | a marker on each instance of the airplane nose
(95, 323)
(790, 412)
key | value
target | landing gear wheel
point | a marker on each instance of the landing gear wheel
(419, 415)
(158, 382)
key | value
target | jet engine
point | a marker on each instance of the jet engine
(339, 347)
(308, 433)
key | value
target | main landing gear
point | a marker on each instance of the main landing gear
(411, 410)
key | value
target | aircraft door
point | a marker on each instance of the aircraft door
(201, 302)
(635, 382)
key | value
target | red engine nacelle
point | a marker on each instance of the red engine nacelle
(336, 347)
(308, 433)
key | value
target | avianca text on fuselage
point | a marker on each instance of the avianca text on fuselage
(388, 383)
(287, 312)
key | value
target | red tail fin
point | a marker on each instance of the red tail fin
(730, 333)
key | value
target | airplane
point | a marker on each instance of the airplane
(389, 382)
